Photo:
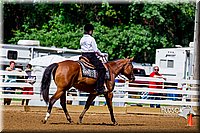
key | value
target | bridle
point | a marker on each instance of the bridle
(123, 77)
(132, 77)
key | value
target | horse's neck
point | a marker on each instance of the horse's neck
(116, 66)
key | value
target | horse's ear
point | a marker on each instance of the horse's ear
(131, 59)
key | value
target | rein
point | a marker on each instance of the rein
(123, 77)
(119, 75)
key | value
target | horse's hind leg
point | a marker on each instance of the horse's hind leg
(109, 96)
(52, 100)
(87, 106)
(63, 104)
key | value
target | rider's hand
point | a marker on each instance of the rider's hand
(104, 55)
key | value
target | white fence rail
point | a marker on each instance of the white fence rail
(185, 93)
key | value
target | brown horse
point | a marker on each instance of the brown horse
(68, 74)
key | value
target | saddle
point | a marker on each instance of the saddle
(89, 70)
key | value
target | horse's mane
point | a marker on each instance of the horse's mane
(113, 61)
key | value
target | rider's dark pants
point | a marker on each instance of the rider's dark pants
(100, 69)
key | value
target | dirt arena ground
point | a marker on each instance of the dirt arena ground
(97, 119)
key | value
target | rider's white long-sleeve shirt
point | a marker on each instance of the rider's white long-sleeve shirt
(88, 44)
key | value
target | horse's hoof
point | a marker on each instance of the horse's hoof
(79, 123)
(115, 124)
(71, 122)
(44, 121)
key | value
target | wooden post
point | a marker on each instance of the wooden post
(197, 42)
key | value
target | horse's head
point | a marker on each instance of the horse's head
(128, 69)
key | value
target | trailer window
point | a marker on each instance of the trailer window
(12, 55)
(163, 63)
(166, 63)
(170, 64)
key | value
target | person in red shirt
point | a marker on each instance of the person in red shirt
(155, 85)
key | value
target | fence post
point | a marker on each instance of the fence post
(96, 103)
(197, 41)
(196, 44)
(76, 102)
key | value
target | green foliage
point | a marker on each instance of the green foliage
(121, 30)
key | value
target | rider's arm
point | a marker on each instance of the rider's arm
(96, 50)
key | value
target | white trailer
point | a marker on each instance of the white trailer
(27, 50)
(175, 63)
(17, 53)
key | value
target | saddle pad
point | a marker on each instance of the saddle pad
(91, 72)
(86, 62)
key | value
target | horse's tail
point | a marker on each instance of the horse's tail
(46, 81)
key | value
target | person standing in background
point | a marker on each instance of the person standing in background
(29, 79)
(10, 79)
(155, 85)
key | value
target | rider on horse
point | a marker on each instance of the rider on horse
(89, 50)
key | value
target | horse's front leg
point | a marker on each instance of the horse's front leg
(64, 107)
(109, 96)
(87, 106)
(52, 100)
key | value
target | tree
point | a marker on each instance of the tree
(121, 30)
